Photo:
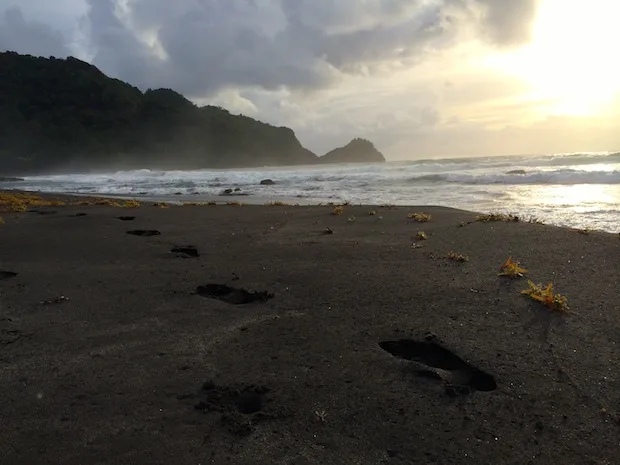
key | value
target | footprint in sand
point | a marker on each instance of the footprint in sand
(144, 232)
(236, 406)
(232, 295)
(246, 400)
(441, 363)
(186, 251)
(7, 274)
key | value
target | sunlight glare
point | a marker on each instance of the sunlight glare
(571, 60)
(582, 196)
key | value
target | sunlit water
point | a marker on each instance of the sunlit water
(576, 190)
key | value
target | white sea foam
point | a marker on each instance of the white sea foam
(580, 190)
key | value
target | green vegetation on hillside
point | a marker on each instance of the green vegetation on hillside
(66, 114)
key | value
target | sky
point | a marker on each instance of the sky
(419, 78)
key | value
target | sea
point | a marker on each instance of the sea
(578, 190)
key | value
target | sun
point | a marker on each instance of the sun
(571, 62)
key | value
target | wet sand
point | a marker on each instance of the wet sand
(262, 339)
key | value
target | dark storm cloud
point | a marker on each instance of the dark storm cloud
(200, 46)
(29, 37)
(210, 44)
(210, 47)
(117, 50)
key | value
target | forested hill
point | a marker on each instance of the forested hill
(66, 114)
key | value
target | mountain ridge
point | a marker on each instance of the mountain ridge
(66, 114)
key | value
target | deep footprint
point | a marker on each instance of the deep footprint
(232, 295)
(144, 232)
(237, 406)
(441, 363)
(246, 400)
(126, 218)
(188, 250)
(7, 274)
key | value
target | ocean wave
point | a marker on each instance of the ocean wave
(563, 176)
(512, 161)
(581, 159)
(429, 178)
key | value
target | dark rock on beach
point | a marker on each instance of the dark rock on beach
(232, 192)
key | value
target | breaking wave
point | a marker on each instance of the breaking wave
(564, 176)
(581, 190)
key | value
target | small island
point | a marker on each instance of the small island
(357, 151)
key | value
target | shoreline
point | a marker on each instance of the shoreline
(581, 194)
(252, 335)
(255, 201)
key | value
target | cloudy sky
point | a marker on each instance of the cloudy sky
(420, 78)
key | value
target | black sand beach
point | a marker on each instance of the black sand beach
(348, 348)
